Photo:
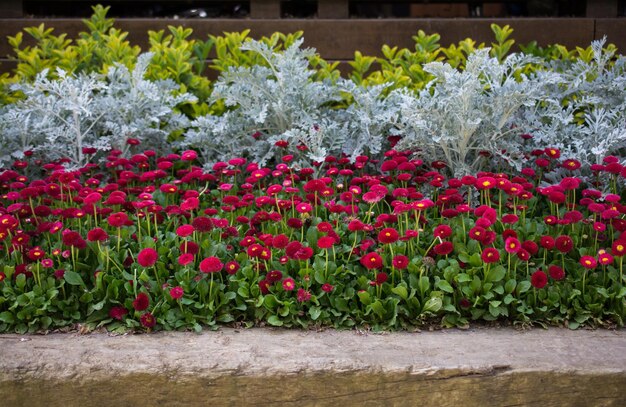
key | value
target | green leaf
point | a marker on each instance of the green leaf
(433, 305)
(443, 285)
(400, 291)
(365, 297)
(274, 320)
(73, 278)
(523, 286)
(7, 317)
(496, 274)
(315, 312)
(378, 308)
(463, 278)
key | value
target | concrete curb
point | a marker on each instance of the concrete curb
(289, 367)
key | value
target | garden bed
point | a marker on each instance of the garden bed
(451, 186)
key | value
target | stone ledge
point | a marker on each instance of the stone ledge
(268, 367)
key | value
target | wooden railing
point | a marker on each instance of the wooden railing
(335, 9)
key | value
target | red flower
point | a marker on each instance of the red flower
(400, 262)
(97, 235)
(274, 276)
(556, 272)
(185, 258)
(117, 312)
(512, 245)
(444, 248)
(539, 279)
(485, 183)
(117, 219)
(211, 265)
(588, 262)
(388, 235)
(381, 278)
(202, 224)
(264, 286)
(280, 241)
(564, 243)
(605, 258)
(372, 261)
(232, 267)
(141, 302)
(176, 292)
(303, 295)
(185, 230)
(148, 320)
(147, 257)
(327, 288)
(547, 242)
(325, 242)
(289, 284)
(442, 231)
(490, 255)
(618, 248)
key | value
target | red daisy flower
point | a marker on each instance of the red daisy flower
(539, 279)
(372, 261)
(564, 243)
(388, 235)
(148, 320)
(512, 245)
(147, 257)
(588, 262)
(556, 272)
(211, 265)
(400, 262)
(176, 292)
(490, 255)
(444, 248)
(141, 302)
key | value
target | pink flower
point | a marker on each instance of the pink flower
(118, 312)
(148, 320)
(185, 230)
(185, 259)
(512, 245)
(400, 262)
(303, 295)
(490, 255)
(211, 265)
(147, 257)
(289, 284)
(588, 262)
(176, 292)
(372, 261)
(388, 235)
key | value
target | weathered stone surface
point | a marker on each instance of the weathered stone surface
(483, 367)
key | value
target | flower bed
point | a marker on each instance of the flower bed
(451, 185)
(157, 242)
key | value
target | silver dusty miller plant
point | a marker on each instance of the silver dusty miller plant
(59, 118)
(369, 119)
(279, 101)
(585, 116)
(143, 109)
(461, 114)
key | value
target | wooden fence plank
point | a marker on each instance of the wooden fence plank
(602, 8)
(265, 9)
